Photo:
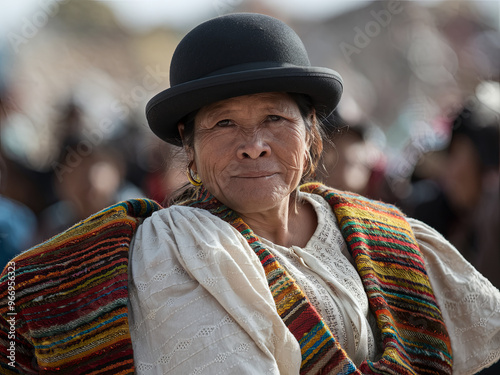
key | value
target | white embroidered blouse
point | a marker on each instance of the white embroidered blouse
(199, 300)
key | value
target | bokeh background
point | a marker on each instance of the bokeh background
(417, 125)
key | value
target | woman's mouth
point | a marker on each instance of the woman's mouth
(260, 174)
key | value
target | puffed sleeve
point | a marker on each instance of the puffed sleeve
(469, 302)
(200, 303)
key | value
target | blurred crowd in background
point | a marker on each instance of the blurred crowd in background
(418, 125)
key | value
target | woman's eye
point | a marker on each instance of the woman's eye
(274, 118)
(224, 123)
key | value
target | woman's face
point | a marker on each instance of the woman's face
(250, 151)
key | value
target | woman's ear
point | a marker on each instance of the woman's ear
(312, 123)
(189, 151)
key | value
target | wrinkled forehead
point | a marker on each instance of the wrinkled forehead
(272, 101)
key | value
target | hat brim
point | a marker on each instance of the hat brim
(165, 110)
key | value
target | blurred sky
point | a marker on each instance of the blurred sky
(143, 14)
(184, 14)
(178, 13)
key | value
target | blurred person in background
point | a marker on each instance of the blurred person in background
(463, 203)
(251, 269)
(85, 184)
(88, 174)
(345, 161)
(164, 164)
(349, 161)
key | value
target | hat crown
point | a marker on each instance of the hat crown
(236, 42)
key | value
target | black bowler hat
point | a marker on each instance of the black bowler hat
(233, 55)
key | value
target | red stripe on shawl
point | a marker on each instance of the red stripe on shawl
(68, 288)
(308, 319)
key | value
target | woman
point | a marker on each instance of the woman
(250, 274)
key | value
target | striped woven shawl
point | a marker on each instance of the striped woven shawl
(70, 309)
(393, 273)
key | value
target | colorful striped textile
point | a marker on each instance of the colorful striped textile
(387, 257)
(71, 292)
(71, 298)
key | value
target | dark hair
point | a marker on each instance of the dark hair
(316, 133)
(479, 124)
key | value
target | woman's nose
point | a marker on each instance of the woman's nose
(253, 147)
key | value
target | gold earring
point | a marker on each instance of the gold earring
(195, 181)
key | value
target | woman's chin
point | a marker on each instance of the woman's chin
(255, 199)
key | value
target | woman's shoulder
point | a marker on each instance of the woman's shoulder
(176, 217)
(433, 243)
(182, 232)
(86, 238)
(83, 269)
(470, 303)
